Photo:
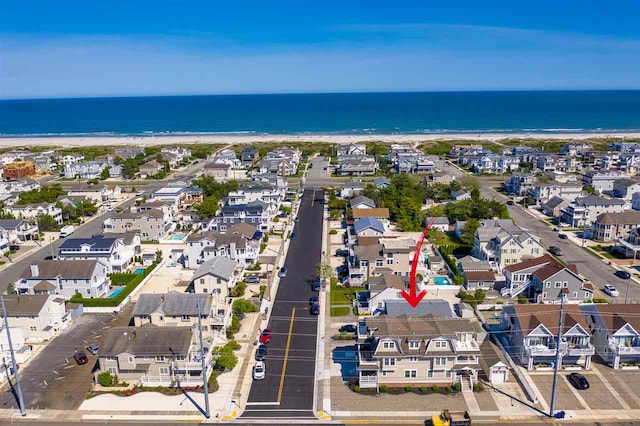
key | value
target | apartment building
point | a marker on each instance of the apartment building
(407, 351)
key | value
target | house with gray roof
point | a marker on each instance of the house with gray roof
(216, 276)
(368, 227)
(583, 211)
(238, 243)
(112, 251)
(14, 230)
(625, 188)
(65, 278)
(460, 195)
(381, 182)
(418, 351)
(502, 243)
(438, 307)
(351, 189)
(554, 205)
(152, 224)
(440, 222)
(153, 356)
(39, 316)
(362, 202)
(175, 309)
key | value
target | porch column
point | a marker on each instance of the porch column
(616, 361)
(587, 362)
(530, 363)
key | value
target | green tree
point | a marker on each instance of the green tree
(244, 306)
(105, 173)
(105, 379)
(225, 359)
(207, 208)
(86, 208)
(46, 223)
(46, 194)
(469, 231)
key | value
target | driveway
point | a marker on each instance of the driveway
(53, 379)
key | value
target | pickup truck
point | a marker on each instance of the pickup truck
(451, 418)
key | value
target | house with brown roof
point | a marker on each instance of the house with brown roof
(380, 213)
(532, 332)
(39, 316)
(608, 226)
(237, 243)
(408, 351)
(65, 278)
(379, 291)
(150, 168)
(616, 333)
(544, 280)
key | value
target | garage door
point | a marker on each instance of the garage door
(497, 377)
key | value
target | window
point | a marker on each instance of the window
(575, 294)
(441, 344)
(384, 374)
(410, 374)
(180, 357)
(565, 284)
(388, 345)
(379, 262)
(548, 285)
(201, 280)
(164, 371)
(160, 358)
(112, 370)
(186, 318)
(389, 362)
(440, 362)
(413, 344)
(430, 374)
(413, 359)
(33, 329)
(447, 374)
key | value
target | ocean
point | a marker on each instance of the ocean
(331, 113)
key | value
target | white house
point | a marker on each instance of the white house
(65, 278)
(22, 352)
(32, 211)
(216, 276)
(236, 243)
(39, 316)
(112, 251)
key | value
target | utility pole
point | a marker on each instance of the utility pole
(205, 384)
(558, 359)
(14, 364)
(626, 296)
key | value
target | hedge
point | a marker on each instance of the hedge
(121, 278)
(112, 303)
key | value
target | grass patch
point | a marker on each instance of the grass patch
(342, 295)
(340, 311)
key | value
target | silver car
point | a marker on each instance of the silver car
(259, 370)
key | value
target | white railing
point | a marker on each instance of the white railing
(519, 289)
(621, 349)
(581, 350)
(539, 351)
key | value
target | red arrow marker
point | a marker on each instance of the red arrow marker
(412, 296)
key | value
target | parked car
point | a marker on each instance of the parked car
(342, 252)
(254, 279)
(555, 229)
(261, 352)
(282, 272)
(315, 309)
(555, 250)
(293, 235)
(259, 370)
(347, 328)
(611, 290)
(316, 284)
(265, 336)
(579, 381)
(93, 348)
(81, 358)
(623, 274)
(14, 247)
(314, 300)
(297, 219)
(510, 203)
(563, 236)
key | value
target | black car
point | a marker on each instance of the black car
(623, 274)
(315, 309)
(348, 328)
(579, 381)
(341, 252)
(261, 352)
(81, 358)
(555, 250)
(563, 236)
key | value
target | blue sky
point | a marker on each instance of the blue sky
(90, 48)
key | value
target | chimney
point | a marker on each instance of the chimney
(35, 270)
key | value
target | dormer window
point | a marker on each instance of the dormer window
(414, 344)
(388, 345)
(440, 344)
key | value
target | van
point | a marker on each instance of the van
(66, 231)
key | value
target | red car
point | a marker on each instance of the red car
(265, 336)
(81, 358)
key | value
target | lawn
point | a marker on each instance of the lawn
(343, 295)
(340, 311)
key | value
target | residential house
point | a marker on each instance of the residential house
(532, 334)
(473, 264)
(381, 214)
(43, 163)
(150, 168)
(406, 159)
(368, 227)
(153, 356)
(218, 171)
(176, 309)
(216, 276)
(474, 280)
(362, 202)
(176, 153)
(583, 211)
(282, 161)
(601, 181)
(635, 201)
(39, 316)
(561, 177)
(343, 150)
(460, 195)
(249, 155)
(554, 205)
(84, 170)
(576, 149)
(21, 352)
(96, 193)
(19, 170)
(626, 146)
(351, 189)
(380, 289)
(111, 251)
(128, 153)
(151, 224)
(16, 186)
(13, 230)
(625, 188)
(66, 278)
(440, 177)
(615, 330)
(408, 351)
(32, 211)
(441, 223)
(399, 307)
(381, 182)
(116, 172)
(227, 156)
(609, 226)
(503, 243)
(541, 193)
(364, 165)
(249, 192)
(232, 244)
(257, 214)
(13, 156)
(552, 162)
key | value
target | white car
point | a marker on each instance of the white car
(259, 370)
(611, 290)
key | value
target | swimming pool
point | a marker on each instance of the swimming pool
(441, 281)
(176, 237)
(116, 292)
(139, 271)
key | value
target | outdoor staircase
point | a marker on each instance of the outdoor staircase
(507, 291)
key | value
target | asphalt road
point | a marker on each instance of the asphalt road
(287, 390)
(591, 268)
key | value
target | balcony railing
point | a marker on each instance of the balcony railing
(368, 381)
(581, 350)
(540, 351)
(623, 349)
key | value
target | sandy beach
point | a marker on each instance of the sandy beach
(246, 139)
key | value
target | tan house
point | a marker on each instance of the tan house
(152, 356)
(39, 316)
(151, 224)
(608, 226)
(216, 276)
(150, 168)
(426, 351)
(380, 213)
(176, 309)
